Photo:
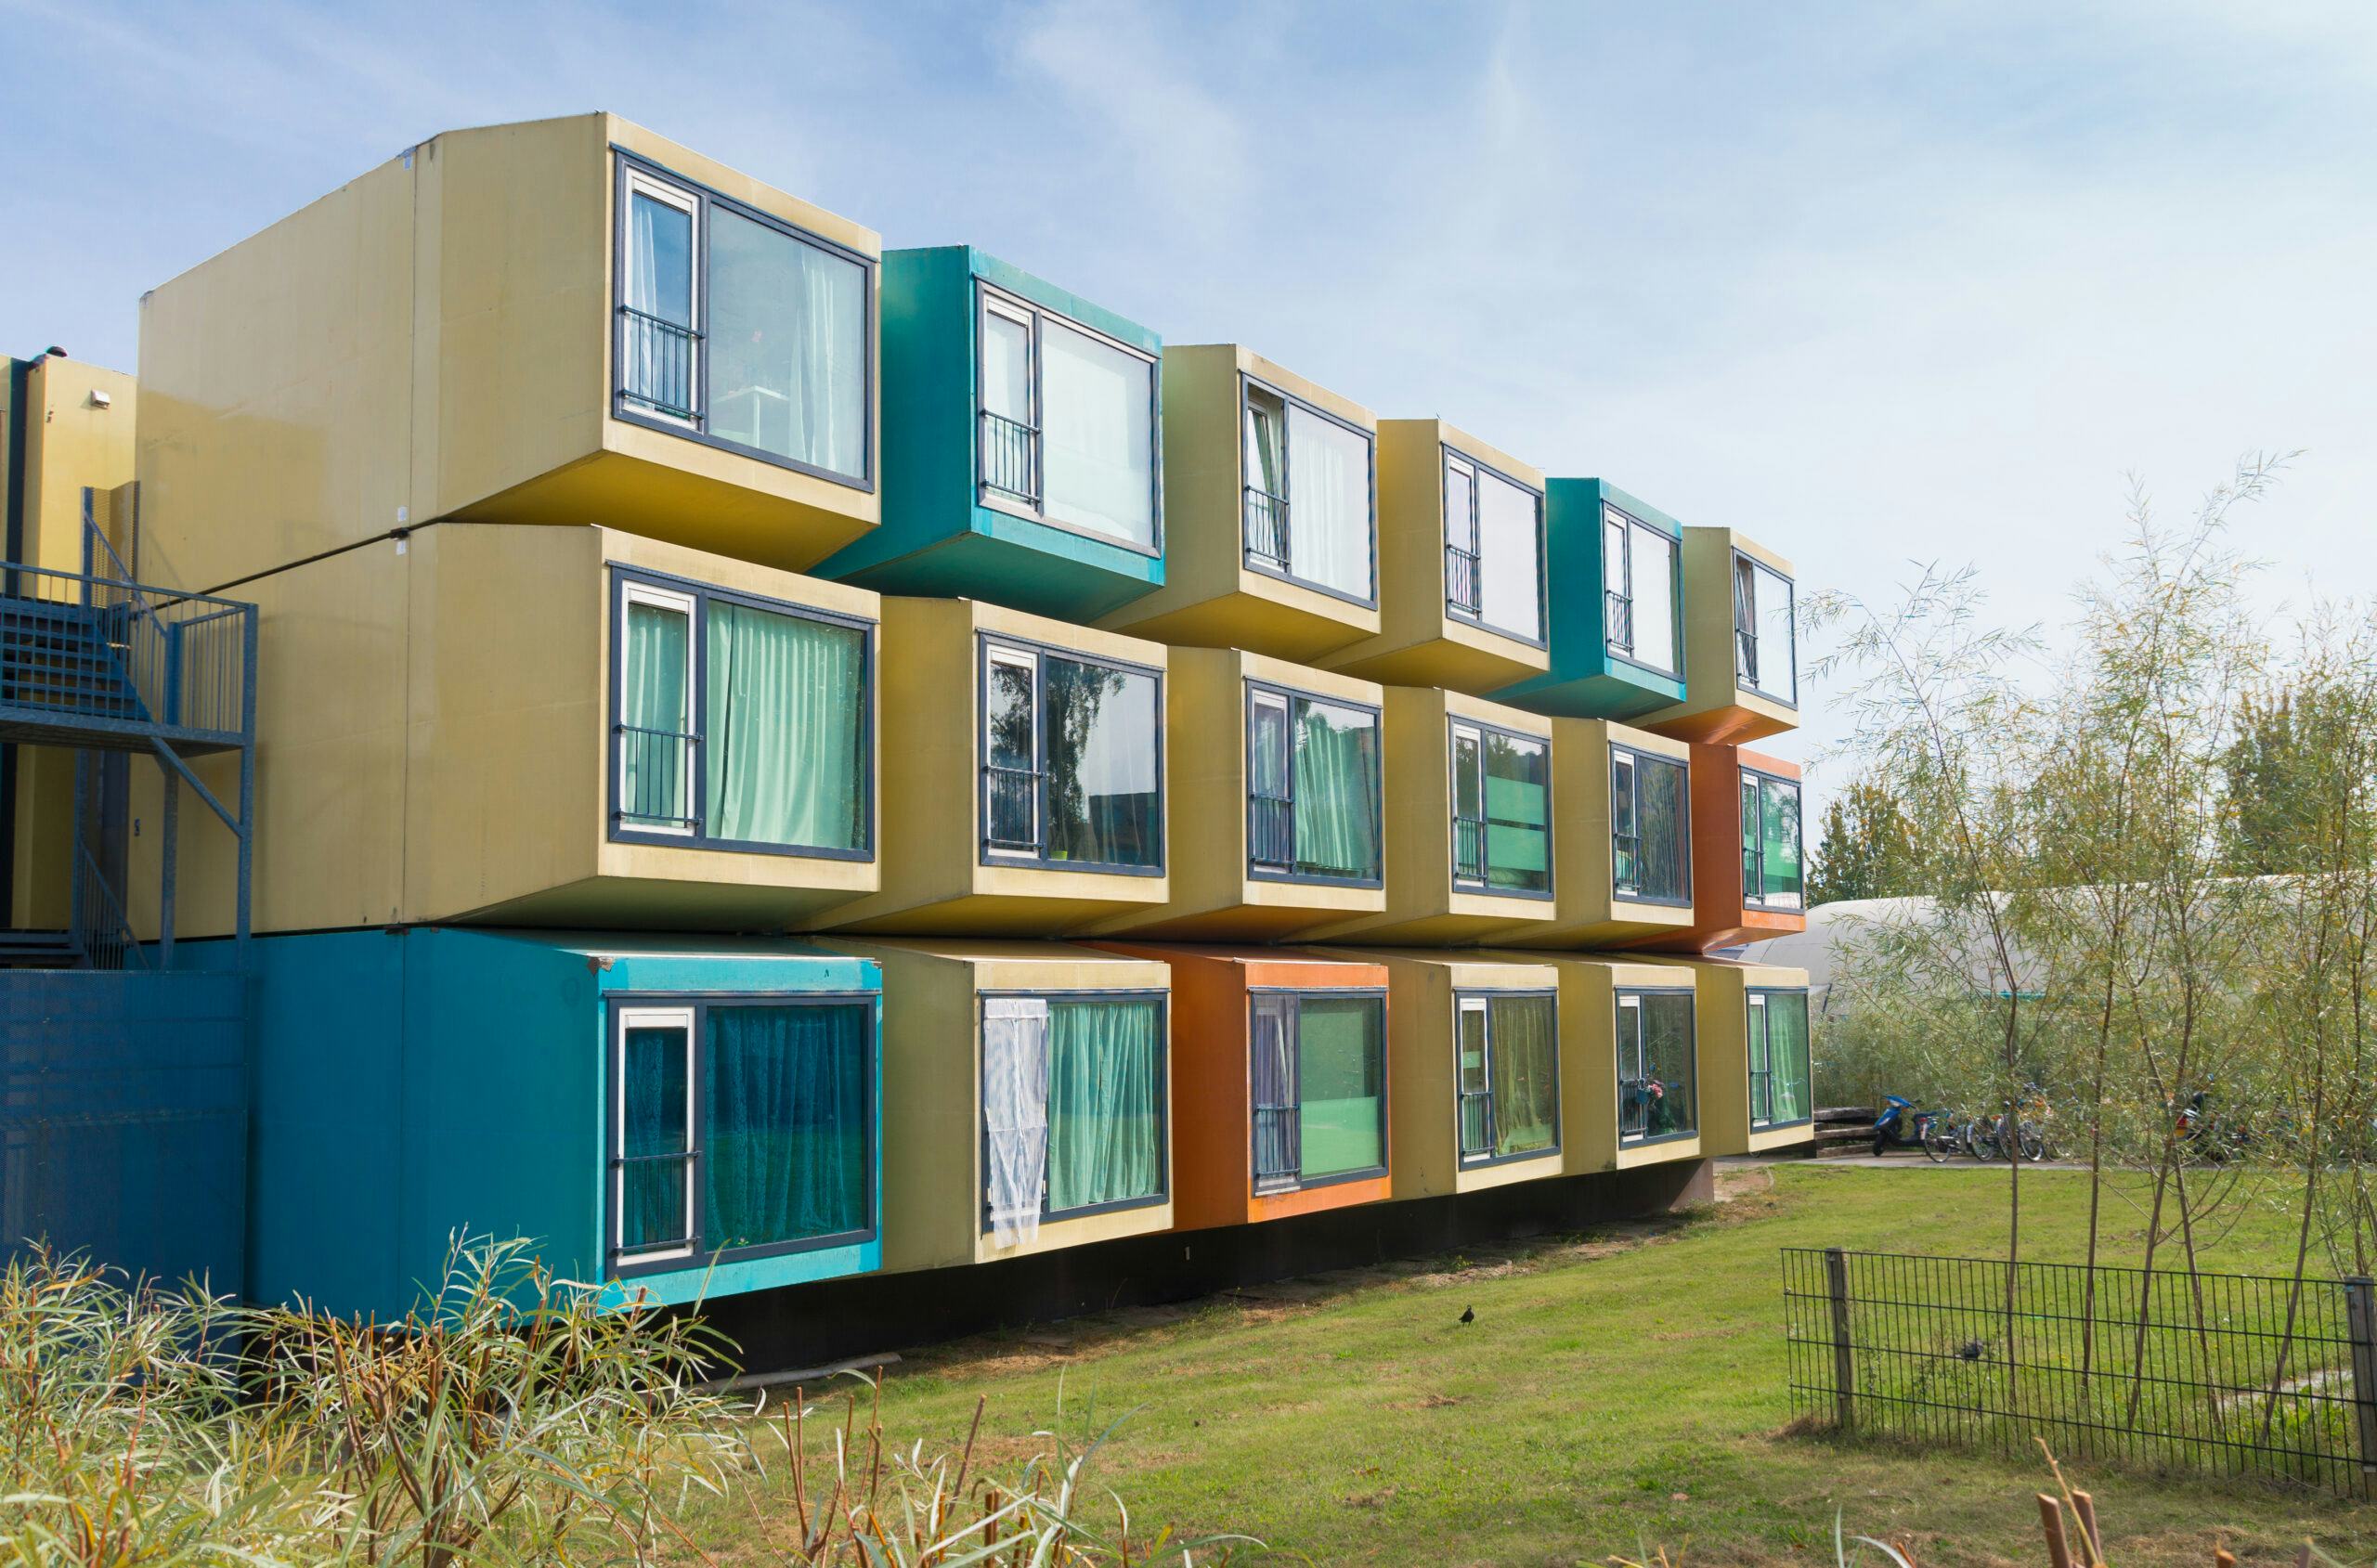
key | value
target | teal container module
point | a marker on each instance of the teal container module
(1617, 642)
(418, 1083)
(1021, 447)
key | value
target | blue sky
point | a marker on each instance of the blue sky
(1872, 284)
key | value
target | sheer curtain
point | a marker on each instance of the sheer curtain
(1786, 1054)
(787, 345)
(1328, 503)
(787, 761)
(1337, 791)
(1779, 822)
(1654, 599)
(653, 705)
(1105, 1107)
(785, 1133)
(1341, 1052)
(658, 283)
(1509, 557)
(1660, 793)
(1096, 415)
(1015, 1113)
(1279, 1133)
(1526, 1074)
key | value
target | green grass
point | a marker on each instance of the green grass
(1617, 1391)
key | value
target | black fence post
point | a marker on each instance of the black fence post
(2360, 1320)
(1844, 1372)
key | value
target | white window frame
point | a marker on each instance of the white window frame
(1633, 820)
(1475, 736)
(1759, 1044)
(1462, 1095)
(682, 1019)
(1027, 660)
(1016, 312)
(635, 593)
(641, 182)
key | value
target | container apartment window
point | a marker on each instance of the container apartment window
(1309, 499)
(1072, 1108)
(1655, 1059)
(1778, 1058)
(1067, 423)
(1639, 591)
(739, 329)
(740, 723)
(1318, 1077)
(1493, 550)
(1766, 649)
(1312, 774)
(1771, 866)
(739, 1129)
(1073, 761)
(1501, 811)
(1510, 1075)
(1650, 827)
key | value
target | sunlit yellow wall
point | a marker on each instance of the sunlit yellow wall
(1716, 707)
(430, 340)
(933, 882)
(1721, 990)
(1584, 870)
(1418, 644)
(1209, 598)
(1422, 905)
(1589, 987)
(1212, 897)
(1423, 1086)
(932, 1094)
(433, 745)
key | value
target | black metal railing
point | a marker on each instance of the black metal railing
(78, 646)
(1278, 1154)
(1469, 849)
(657, 362)
(1625, 850)
(1461, 581)
(1010, 806)
(1007, 449)
(657, 779)
(2225, 1374)
(1476, 1123)
(1617, 616)
(1267, 542)
(1745, 655)
(1639, 1103)
(1271, 833)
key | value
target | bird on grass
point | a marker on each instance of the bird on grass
(1468, 1315)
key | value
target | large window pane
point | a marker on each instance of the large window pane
(1654, 609)
(656, 742)
(1341, 1050)
(1103, 802)
(1655, 1065)
(787, 726)
(1767, 659)
(1787, 1055)
(1778, 844)
(1506, 532)
(1098, 421)
(1105, 1102)
(1518, 812)
(652, 1144)
(787, 345)
(1328, 503)
(784, 1124)
(1526, 1074)
(1337, 791)
(1659, 795)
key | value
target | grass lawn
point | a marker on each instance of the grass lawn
(1617, 1391)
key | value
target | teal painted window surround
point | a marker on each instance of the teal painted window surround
(1595, 675)
(1021, 440)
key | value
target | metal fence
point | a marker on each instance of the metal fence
(2224, 1374)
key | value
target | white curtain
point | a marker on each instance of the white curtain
(1015, 1113)
(1654, 599)
(1097, 436)
(1328, 503)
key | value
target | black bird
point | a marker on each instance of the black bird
(1468, 1314)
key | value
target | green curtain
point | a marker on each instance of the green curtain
(653, 698)
(787, 762)
(784, 1123)
(1105, 1102)
(1779, 824)
(1786, 1054)
(1518, 797)
(1525, 1073)
(652, 1091)
(1341, 1059)
(1337, 791)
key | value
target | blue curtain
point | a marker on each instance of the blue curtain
(1105, 1102)
(652, 1088)
(784, 1123)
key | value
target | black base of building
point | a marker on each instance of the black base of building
(813, 1325)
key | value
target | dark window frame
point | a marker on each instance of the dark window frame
(1463, 1158)
(1293, 694)
(1758, 900)
(1034, 509)
(1742, 681)
(1162, 1195)
(1482, 887)
(1296, 995)
(697, 706)
(1636, 757)
(1768, 992)
(1447, 454)
(1617, 1006)
(616, 1006)
(620, 405)
(1626, 654)
(1038, 861)
(1248, 384)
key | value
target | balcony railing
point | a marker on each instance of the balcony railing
(1010, 807)
(1617, 614)
(1476, 1123)
(1271, 831)
(1278, 1154)
(1626, 849)
(1008, 447)
(1745, 655)
(657, 362)
(1266, 530)
(1469, 849)
(84, 657)
(1461, 581)
(655, 775)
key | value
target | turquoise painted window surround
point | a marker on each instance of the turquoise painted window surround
(1313, 788)
(1098, 1065)
(1318, 1077)
(1765, 639)
(1067, 423)
(1501, 811)
(1509, 1059)
(1071, 760)
(1656, 1066)
(1650, 826)
(740, 723)
(1779, 1094)
(1771, 861)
